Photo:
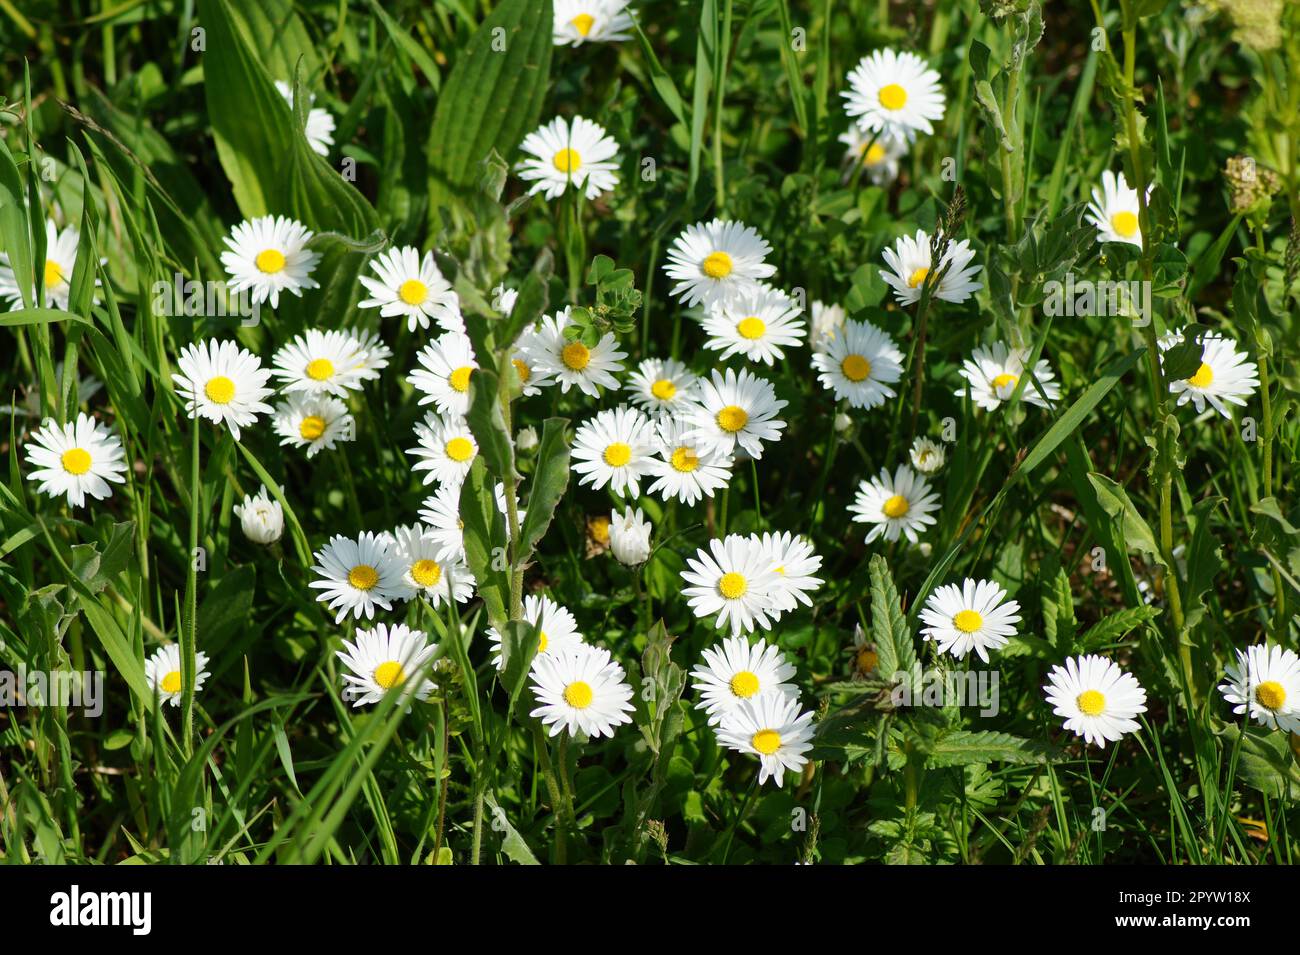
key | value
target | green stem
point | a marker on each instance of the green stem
(553, 793)
(189, 633)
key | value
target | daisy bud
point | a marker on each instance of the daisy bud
(629, 537)
(843, 422)
(526, 440)
(261, 518)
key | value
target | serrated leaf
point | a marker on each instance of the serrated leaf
(894, 648)
(963, 747)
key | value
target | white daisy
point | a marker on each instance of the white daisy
(733, 672)
(614, 448)
(591, 21)
(269, 255)
(357, 575)
(1266, 681)
(383, 658)
(413, 288)
(261, 517)
(827, 320)
(374, 353)
(794, 562)
(927, 456)
(969, 617)
(894, 93)
(222, 382)
(993, 371)
(75, 459)
(1224, 376)
(446, 449)
(909, 270)
(557, 631)
(684, 468)
(734, 578)
(440, 514)
(859, 364)
(877, 152)
(713, 261)
(561, 152)
(900, 505)
(570, 362)
(532, 379)
(663, 386)
(163, 671)
(60, 259)
(580, 689)
(320, 363)
(424, 573)
(1096, 697)
(770, 727)
(320, 124)
(736, 409)
(757, 323)
(442, 379)
(1114, 210)
(504, 298)
(317, 423)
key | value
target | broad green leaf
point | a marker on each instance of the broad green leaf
(962, 747)
(550, 479)
(485, 542)
(894, 647)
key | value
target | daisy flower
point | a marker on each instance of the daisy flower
(894, 93)
(685, 469)
(859, 364)
(827, 320)
(734, 578)
(440, 514)
(865, 660)
(1114, 210)
(269, 255)
(504, 298)
(591, 21)
(909, 270)
(614, 448)
(975, 616)
(561, 152)
(663, 386)
(629, 537)
(733, 672)
(580, 689)
(1266, 681)
(60, 259)
(442, 379)
(736, 409)
(357, 575)
(557, 630)
(1096, 697)
(316, 422)
(75, 459)
(757, 323)
(163, 671)
(374, 353)
(570, 362)
(411, 287)
(426, 575)
(927, 456)
(320, 363)
(320, 124)
(261, 517)
(794, 563)
(894, 507)
(714, 261)
(878, 153)
(383, 658)
(446, 449)
(993, 371)
(770, 727)
(222, 382)
(1224, 376)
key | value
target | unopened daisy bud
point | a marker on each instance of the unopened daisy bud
(526, 440)
(843, 422)
(261, 517)
(927, 456)
(629, 537)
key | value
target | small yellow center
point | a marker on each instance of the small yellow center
(967, 621)
(717, 265)
(1091, 702)
(868, 660)
(663, 389)
(732, 418)
(522, 370)
(426, 573)
(575, 356)
(1270, 694)
(732, 585)
(583, 23)
(542, 642)
(1203, 378)
(320, 369)
(363, 577)
(744, 684)
(1003, 380)
(896, 506)
(312, 427)
(599, 528)
(459, 449)
(269, 261)
(76, 461)
(567, 160)
(459, 379)
(53, 273)
(873, 155)
(918, 276)
(617, 454)
(685, 460)
(578, 695)
(752, 327)
(220, 390)
(389, 674)
(171, 683)
(855, 368)
(766, 742)
(1125, 224)
(893, 96)
(413, 292)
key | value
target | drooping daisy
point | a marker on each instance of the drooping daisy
(75, 459)
(320, 124)
(1266, 681)
(1114, 210)
(927, 456)
(973, 616)
(909, 270)
(416, 551)
(442, 379)
(446, 449)
(532, 379)
(163, 671)
(737, 410)
(261, 517)
(894, 506)
(757, 323)
(629, 537)
(827, 320)
(60, 259)
(794, 562)
(993, 371)
(864, 660)
(269, 255)
(557, 630)
(440, 514)
(320, 363)
(894, 93)
(383, 658)
(314, 422)
(580, 689)
(859, 364)
(357, 575)
(714, 261)
(560, 152)
(570, 362)
(662, 386)
(733, 671)
(734, 579)
(877, 152)
(504, 298)
(770, 727)
(374, 353)
(591, 21)
(614, 448)
(412, 287)
(683, 467)
(222, 382)
(1224, 376)
(1096, 697)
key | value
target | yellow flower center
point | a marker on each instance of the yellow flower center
(717, 265)
(1203, 378)
(389, 674)
(312, 427)
(578, 695)
(732, 585)
(426, 573)
(896, 506)
(968, 621)
(171, 683)
(575, 356)
(663, 389)
(1125, 224)
(918, 276)
(744, 684)
(413, 292)
(617, 454)
(53, 273)
(542, 642)
(599, 528)
(685, 460)
(868, 660)
(459, 379)
(583, 23)
(732, 418)
(855, 368)
(320, 369)
(1090, 702)
(1270, 694)
(220, 390)
(76, 461)
(751, 327)
(567, 160)
(269, 261)
(873, 154)
(766, 742)
(459, 449)
(363, 577)
(522, 370)
(893, 96)
(1003, 380)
